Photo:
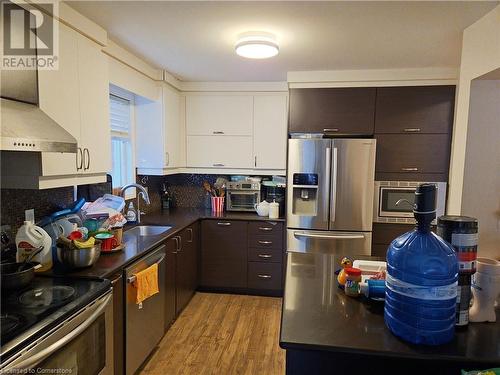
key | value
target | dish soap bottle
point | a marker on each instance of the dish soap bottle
(421, 281)
(131, 213)
(30, 238)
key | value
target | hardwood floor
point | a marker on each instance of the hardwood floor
(222, 334)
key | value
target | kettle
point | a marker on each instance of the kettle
(262, 208)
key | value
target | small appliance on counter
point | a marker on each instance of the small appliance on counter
(273, 191)
(243, 195)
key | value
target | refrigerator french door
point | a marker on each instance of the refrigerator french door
(330, 195)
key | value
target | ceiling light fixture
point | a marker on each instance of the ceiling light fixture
(257, 46)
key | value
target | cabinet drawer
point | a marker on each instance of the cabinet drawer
(219, 151)
(266, 227)
(265, 242)
(265, 255)
(264, 275)
(413, 154)
(424, 109)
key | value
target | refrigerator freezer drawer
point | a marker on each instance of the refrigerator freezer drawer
(329, 242)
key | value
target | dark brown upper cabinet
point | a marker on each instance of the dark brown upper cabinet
(419, 157)
(420, 109)
(334, 111)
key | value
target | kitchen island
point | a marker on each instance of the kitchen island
(324, 331)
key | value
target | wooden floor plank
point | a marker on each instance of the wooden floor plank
(222, 334)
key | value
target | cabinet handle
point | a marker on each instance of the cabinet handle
(179, 244)
(409, 169)
(217, 132)
(115, 280)
(255, 162)
(167, 158)
(264, 276)
(176, 239)
(265, 242)
(190, 231)
(218, 165)
(330, 130)
(86, 152)
(265, 229)
(411, 130)
(224, 223)
(266, 256)
(79, 166)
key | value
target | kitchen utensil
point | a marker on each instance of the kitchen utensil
(220, 186)
(217, 205)
(79, 258)
(29, 258)
(262, 208)
(208, 188)
(75, 235)
(14, 279)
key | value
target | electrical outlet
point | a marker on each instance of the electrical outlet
(29, 215)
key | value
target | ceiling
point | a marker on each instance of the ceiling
(195, 40)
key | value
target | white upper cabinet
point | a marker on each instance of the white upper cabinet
(208, 114)
(270, 131)
(159, 132)
(76, 96)
(219, 152)
(95, 133)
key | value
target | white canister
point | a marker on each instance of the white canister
(274, 210)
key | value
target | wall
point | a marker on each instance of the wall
(481, 189)
(480, 55)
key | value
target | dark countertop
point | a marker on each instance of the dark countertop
(317, 315)
(136, 247)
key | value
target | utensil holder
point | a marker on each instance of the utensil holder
(217, 204)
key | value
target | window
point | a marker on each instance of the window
(122, 141)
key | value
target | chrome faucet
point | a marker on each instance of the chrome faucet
(143, 192)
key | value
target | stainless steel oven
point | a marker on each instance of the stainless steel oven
(242, 195)
(81, 344)
(388, 193)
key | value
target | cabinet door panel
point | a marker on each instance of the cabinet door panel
(171, 117)
(59, 98)
(266, 276)
(216, 114)
(94, 106)
(425, 109)
(170, 294)
(337, 110)
(186, 267)
(219, 152)
(270, 131)
(416, 153)
(224, 254)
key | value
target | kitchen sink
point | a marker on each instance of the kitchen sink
(148, 230)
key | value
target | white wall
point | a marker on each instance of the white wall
(481, 189)
(480, 55)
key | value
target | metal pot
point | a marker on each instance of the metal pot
(14, 279)
(79, 258)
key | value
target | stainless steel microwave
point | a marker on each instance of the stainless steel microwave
(388, 193)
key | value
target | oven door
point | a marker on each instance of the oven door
(242, 200)
(389, 196)
(83, 344)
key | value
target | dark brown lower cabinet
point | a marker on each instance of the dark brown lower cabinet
(186, 267)
(384, 233)
(224, 254)
(172, 245)
(118, 324)
(182, 271)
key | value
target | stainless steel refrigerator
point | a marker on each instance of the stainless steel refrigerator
(330, 195)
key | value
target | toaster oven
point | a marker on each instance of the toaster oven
(242, 195)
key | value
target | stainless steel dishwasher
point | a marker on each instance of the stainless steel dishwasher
(144, 323)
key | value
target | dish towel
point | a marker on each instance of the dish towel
(146, 283)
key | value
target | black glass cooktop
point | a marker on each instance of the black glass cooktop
(28, 313)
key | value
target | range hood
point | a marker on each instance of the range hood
(24, 126)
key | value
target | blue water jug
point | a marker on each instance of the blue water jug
(421, 284)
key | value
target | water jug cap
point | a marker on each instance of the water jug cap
(425, 199)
